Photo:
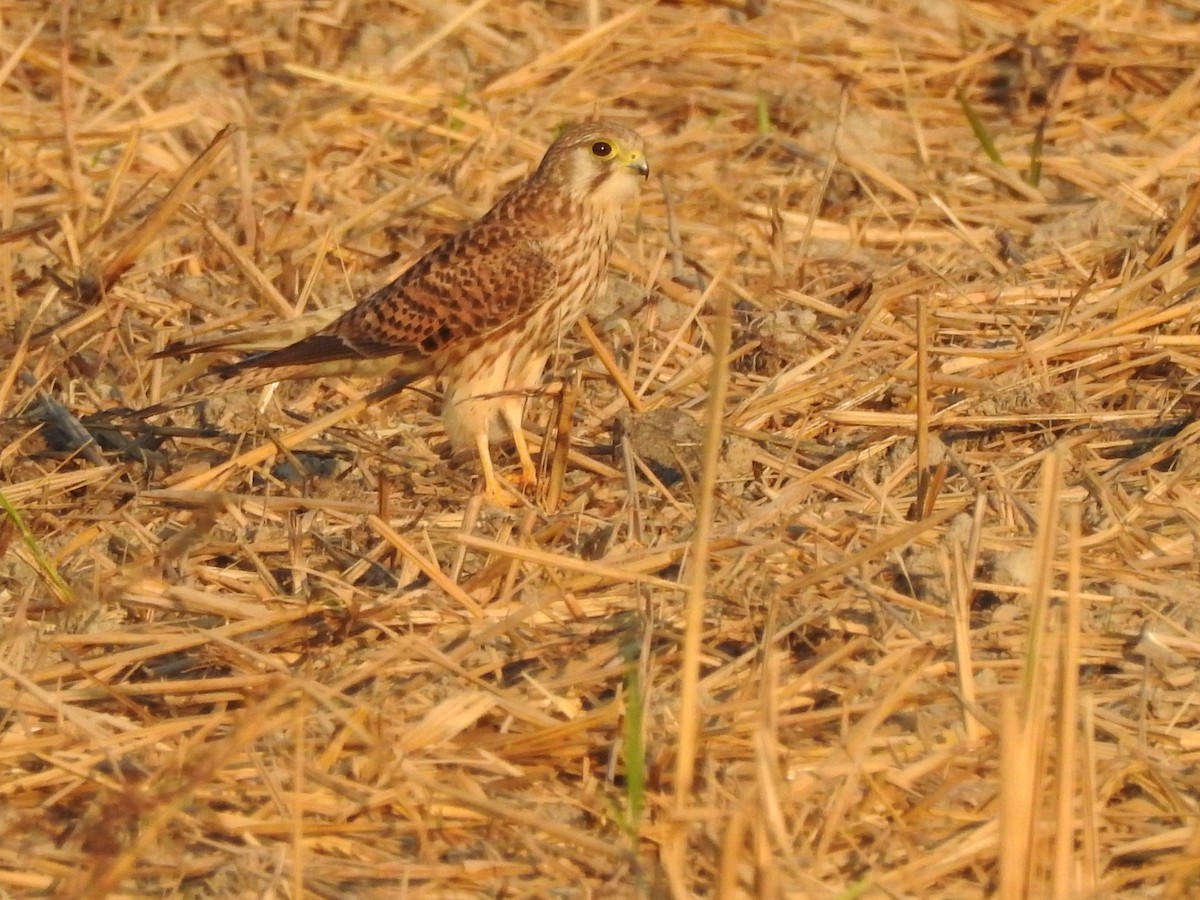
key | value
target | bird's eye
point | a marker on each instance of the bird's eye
(602, 149)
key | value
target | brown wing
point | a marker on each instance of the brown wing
(473, 284)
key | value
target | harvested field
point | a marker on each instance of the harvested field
(872, 571)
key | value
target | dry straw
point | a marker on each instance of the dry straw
(899, 597)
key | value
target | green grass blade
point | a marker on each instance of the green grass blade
(1035, 154)
(634, 750)
(978, 128)
(762, 115)
(57, 584)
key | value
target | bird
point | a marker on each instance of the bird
(483, 310)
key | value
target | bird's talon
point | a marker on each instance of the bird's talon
(499, 499)
(502, 494)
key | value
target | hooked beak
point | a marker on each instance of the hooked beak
(638, 165)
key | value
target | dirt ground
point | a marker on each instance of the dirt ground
(872, 568)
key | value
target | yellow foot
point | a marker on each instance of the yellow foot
(497, 491)
(501, 497)
(527, 481)
(500, 492)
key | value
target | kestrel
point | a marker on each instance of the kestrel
(483, 310)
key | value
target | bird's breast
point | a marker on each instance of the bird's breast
(580, 258)
(581, 265)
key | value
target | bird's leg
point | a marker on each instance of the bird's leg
(513, 412)
(495, 491)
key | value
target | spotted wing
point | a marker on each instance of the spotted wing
(462, 291)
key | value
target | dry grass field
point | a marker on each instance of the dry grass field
(872, 568)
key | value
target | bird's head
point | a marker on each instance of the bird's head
(597, 162)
